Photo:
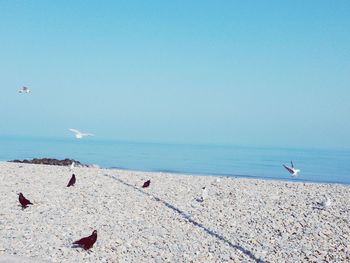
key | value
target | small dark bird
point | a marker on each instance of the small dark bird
(71, 181)
(146, 184)
(24, 202)
(87, 242)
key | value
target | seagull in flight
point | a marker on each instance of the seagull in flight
(293, 171)
(24, 90)
(79, 134)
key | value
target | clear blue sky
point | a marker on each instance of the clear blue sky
(241, 72)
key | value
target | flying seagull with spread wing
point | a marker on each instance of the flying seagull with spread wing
(79, 134)
(293, 171)
(24, 90)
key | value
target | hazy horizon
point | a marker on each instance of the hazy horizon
(259, 73)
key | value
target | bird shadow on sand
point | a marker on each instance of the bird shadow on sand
(213, 233)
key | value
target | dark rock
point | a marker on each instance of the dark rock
(51, 161)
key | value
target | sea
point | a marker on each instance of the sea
(316, 165)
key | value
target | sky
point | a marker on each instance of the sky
(270, 73)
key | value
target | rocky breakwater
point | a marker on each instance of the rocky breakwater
(51, 161)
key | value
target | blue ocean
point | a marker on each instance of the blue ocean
(316, 165)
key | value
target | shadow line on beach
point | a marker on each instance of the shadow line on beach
(195, 223)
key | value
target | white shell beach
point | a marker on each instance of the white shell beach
(240, 220)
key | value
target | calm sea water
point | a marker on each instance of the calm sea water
(227, 160)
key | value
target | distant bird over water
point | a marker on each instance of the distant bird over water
(87, 242)
(71, 181)
(24, 90)
(293, 171)
(146, 184)
(23, 201)
(79, 134)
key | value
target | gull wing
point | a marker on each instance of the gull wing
(75, 131)
(288, 169)
(87, 134)
(291, 162)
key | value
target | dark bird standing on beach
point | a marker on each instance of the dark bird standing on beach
(146, 184)
(87, 242)
(71, 181)
(24, 202)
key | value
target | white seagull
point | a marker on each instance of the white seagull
(325, 203)
(79, 134)
(204, 195)
(24, 90)
(72, 166)
(293, 171)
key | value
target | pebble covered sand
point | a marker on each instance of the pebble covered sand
(242, 220)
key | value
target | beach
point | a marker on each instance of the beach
(241, 220)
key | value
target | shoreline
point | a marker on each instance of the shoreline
(233, 176)
(328, 166)
(298, 179)
(241, 219)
